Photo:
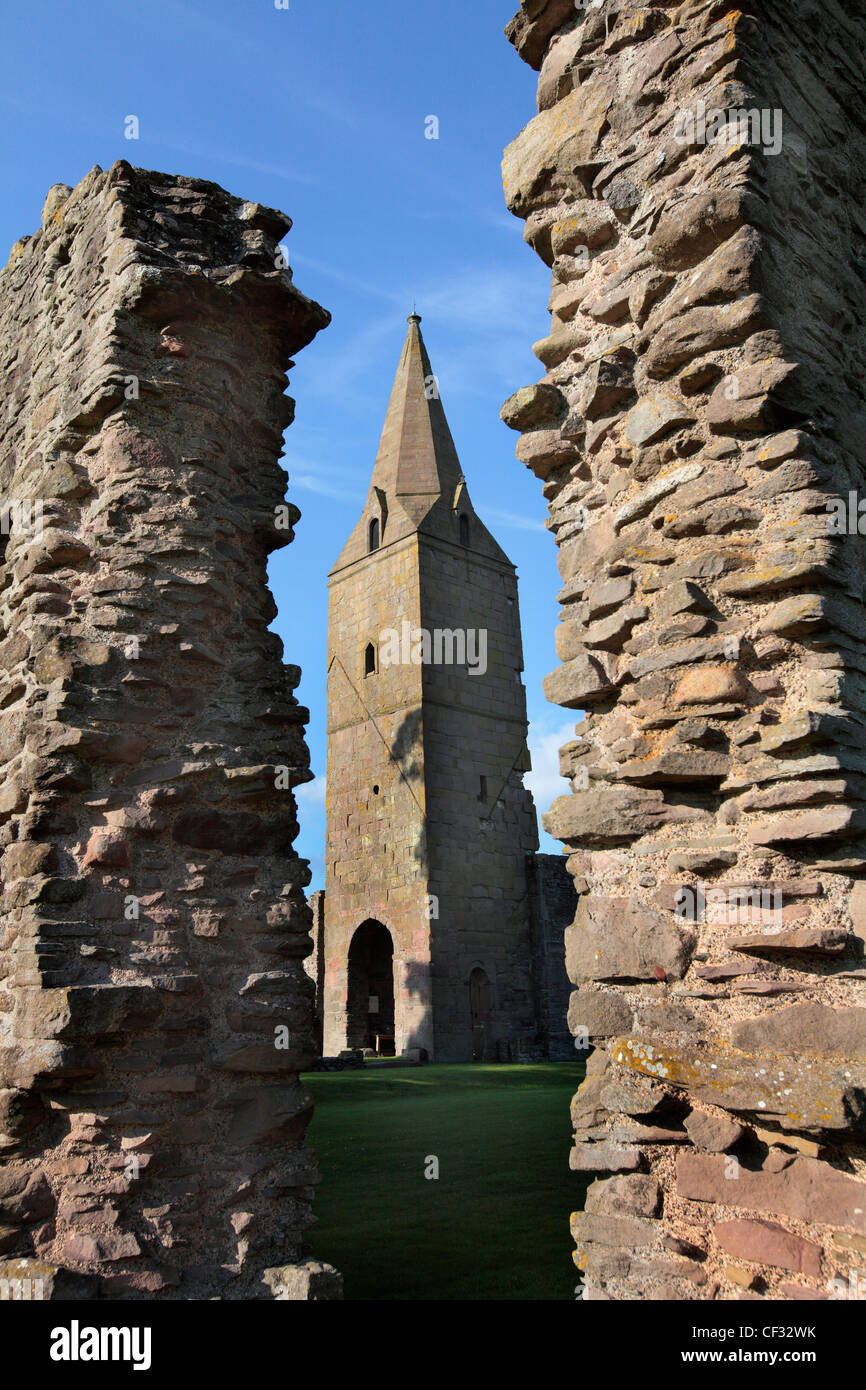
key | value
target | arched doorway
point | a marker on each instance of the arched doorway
(370, 1001)
(481, 1013)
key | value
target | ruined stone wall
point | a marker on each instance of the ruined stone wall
(552, 903)
(153, 917)
(699, 425)
(315, 962)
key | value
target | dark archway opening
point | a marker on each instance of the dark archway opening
(371, 989)
(373, 535)
(481, 1013)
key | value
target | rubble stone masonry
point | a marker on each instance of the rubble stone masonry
(695, 181)
(154, 1008)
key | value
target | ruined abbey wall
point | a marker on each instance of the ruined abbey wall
(154, 1008)
(695, 181)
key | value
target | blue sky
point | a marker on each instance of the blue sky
(320, 110)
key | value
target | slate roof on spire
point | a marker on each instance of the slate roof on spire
(416, 457)
(417, 482)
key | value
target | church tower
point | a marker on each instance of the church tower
(426, 921)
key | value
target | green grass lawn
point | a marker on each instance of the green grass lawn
(494, 1225)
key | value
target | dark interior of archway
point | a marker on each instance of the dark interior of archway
(371, 989)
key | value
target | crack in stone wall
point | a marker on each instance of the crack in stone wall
(698, 427)
(154, 1008)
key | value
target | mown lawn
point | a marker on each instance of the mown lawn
(494, 1225)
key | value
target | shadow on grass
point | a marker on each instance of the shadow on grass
(493, 1225)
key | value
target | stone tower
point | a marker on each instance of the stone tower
(428, 824)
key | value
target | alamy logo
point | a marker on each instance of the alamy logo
(854, 1290)
(718, 125)
(444, 646)
(16, 1290)
(20, 516)
(847, 518)
(76, 1343)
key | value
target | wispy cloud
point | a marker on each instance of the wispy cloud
(312, 482)
(484, 298)
(313, 475)
(383, 292)
(251, 35)
(342, 371)
(544, 781)
(198, 18)
(317, 869)
(312, 793)
(479, 309)
(510, 520)
(152, 138)
(238, 161)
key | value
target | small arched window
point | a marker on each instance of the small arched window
(373, 535)
(369, 659)
(464, 529)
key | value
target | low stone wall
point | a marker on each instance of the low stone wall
(552, 903)
(695, 180)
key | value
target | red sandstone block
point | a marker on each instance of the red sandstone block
(765, 1242)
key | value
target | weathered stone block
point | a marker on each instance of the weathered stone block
(713, 1133)
(806, 1189)
(619, 938)
(765, 1242)
(310, 1281)
(598, 1013)
(638, 1194)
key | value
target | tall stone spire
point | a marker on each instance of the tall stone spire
(417, 482)
(417, 460)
